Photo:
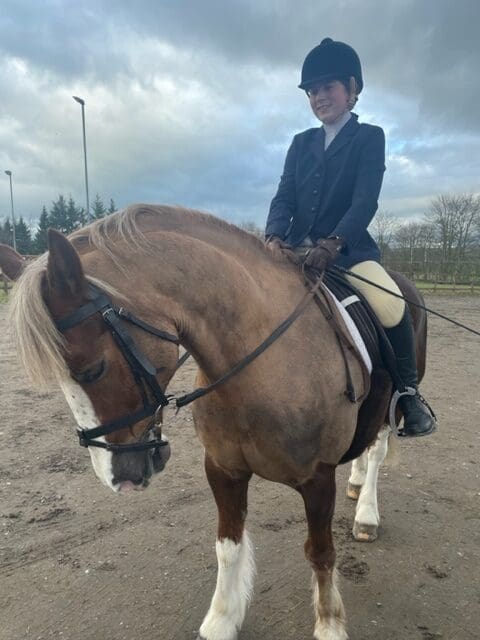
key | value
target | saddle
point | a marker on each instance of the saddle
(374, 337)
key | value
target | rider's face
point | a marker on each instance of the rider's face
(329, 100)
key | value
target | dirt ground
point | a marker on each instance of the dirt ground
(78, 562)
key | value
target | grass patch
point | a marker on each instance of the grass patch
(3, 296)
(447, 288)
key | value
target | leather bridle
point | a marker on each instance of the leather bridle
(143, 371)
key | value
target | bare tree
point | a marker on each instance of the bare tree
(383, 228)
(455, 218)
(408, 237)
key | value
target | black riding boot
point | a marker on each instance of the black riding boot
(417, 420)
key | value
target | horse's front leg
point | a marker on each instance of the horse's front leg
(367, 517)
(236, 567)
(319, 497)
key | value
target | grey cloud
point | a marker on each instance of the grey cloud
(428, 51)
(196, 102)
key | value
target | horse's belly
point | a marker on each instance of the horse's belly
(284, 449)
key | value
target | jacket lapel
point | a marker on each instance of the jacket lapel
(317, 144)
(343, 137)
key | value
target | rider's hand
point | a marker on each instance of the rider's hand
(324, 253)
(281, 249)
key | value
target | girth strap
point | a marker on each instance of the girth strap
(344, 344)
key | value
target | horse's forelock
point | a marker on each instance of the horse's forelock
(39, 344)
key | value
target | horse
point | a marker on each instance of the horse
(214, 289)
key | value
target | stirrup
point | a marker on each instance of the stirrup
(409, 391)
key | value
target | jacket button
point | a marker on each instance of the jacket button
(313, 208)
(317, 175)
(315, 191)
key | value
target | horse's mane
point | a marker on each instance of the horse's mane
(132, 225)
(40, 346)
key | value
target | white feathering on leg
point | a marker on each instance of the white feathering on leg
(367, 507)
(236, 573)
(329, 609)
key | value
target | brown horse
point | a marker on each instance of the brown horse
(285, 417)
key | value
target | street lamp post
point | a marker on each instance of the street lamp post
(82, 104)
(9, 174)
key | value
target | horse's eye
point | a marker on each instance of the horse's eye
(89, 375)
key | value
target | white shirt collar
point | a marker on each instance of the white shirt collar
(331, 130)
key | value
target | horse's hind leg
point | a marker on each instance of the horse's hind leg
(319, 497)
(236, 568)
(357, 477)
(367, 517)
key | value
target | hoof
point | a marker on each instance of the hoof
(353, 491)
(330, 630)
(365, 532)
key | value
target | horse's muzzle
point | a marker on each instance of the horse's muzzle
(133, 470)
(160, 457)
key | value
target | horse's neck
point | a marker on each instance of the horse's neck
(230, 301)
(222, 301)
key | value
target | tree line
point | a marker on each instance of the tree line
(63, 215)
(444, 245)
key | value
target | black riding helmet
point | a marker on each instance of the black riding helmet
(331, 60)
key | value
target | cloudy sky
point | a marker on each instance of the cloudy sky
(195, 102)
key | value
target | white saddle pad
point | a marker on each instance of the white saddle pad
(352, 327)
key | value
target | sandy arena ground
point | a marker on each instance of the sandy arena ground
(78, 562)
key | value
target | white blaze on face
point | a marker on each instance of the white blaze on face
(86, 418)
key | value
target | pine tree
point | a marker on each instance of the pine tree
(98, 208)
(6, 232)
(82, 216)
(23, 237)
(40, 241)
(58, 215)
(113, 207)
(75, 216)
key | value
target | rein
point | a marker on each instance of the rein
(299, 309)
(144, 372)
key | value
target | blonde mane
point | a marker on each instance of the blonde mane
(132, 224)
(40, 346)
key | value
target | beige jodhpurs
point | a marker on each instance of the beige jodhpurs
(389, 309)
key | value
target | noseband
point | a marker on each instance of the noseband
(143, 371)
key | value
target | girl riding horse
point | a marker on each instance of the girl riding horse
(328, 195)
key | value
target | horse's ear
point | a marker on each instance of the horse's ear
(64, 270)
(11, 262)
